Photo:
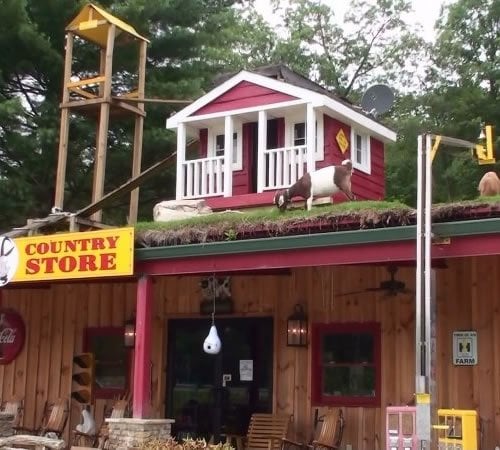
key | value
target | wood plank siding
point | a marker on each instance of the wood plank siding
(364, 186)
(244, 95)
(467, 299)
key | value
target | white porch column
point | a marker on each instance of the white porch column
(228, 156)
(310, 137)
(261, 146)
(181, 157)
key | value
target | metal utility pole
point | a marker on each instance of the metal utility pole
(425, 341)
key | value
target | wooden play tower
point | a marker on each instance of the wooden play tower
(95, 99)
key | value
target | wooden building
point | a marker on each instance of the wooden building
(315, 271)
(257, 132)
(261, 130)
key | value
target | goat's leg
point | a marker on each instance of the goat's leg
(346, 189)
(309, 203)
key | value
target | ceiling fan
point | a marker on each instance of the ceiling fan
(392, 287)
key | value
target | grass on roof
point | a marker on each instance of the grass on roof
(272, 214)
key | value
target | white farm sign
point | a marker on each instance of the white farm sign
(464, 348)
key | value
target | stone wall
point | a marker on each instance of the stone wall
(126, 433)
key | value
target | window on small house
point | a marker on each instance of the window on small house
(218, 149)
(299, 136)
(360, 151)
(111, 360)
(346, 364)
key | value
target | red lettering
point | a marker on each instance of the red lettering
(112, 241)
(43, 248)
(30, 249)
(70, 246)
(49, 263)
(84, 243)
(98, 244)
(67, 264)
(32, 267)
(87, 263)
(108, 261)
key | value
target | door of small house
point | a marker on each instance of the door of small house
(209, 395)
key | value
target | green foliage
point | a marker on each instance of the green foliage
(448, 88)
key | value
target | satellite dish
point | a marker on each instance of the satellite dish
(378, 99)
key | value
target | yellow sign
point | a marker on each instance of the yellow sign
(342, 141)
(92, 254)
(423, 399)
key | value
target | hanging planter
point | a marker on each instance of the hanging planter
(212, 344)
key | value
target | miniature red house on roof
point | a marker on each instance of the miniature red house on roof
(261, 131)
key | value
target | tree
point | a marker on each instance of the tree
(373, 42)
(185, 51)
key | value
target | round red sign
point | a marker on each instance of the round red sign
(12, 334)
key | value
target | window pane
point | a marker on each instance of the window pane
(359, 149)
(110, 361)
(351, 348)
(299, 134)
(348, 381)
(219, 145)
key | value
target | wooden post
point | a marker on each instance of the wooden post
(310, 137)
(138, 134)
(181, 156)
(102, 135)
(64, 126)
(261, 147)
(228, 156)
(142, 366)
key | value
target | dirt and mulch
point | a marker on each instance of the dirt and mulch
(269, 222)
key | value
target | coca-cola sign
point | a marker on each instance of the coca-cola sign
(12, 334)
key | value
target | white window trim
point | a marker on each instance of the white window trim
(291, 121)
(366, 165)
(211, 143)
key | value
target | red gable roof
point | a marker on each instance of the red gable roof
(244, 95)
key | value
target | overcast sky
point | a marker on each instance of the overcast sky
(425, 13)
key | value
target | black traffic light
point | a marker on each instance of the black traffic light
(82, 386)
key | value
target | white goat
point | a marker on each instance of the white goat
(489, 184)
(320, 183)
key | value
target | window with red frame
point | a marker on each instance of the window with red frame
(111, 360)
(346, 364)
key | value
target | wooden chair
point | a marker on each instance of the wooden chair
(329, 436)
(14, 408)
(100, 439)
(265, 432)
(53, 421)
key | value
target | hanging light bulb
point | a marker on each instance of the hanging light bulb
(212, 343)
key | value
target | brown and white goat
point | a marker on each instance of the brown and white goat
(320, 183)
(489, 184)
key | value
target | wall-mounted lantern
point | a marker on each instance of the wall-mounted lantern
(297, 328)
(129, 333)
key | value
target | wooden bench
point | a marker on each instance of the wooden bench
(265, 432)
(30, 441)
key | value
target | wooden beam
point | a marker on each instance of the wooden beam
(138, 135)
(127, 187)
(102, 136)
(141, 404)
(86, 81)
(64, 127)
(152, 100)
(82, 92)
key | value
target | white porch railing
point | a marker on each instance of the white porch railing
(284, 166)
(203, 177)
